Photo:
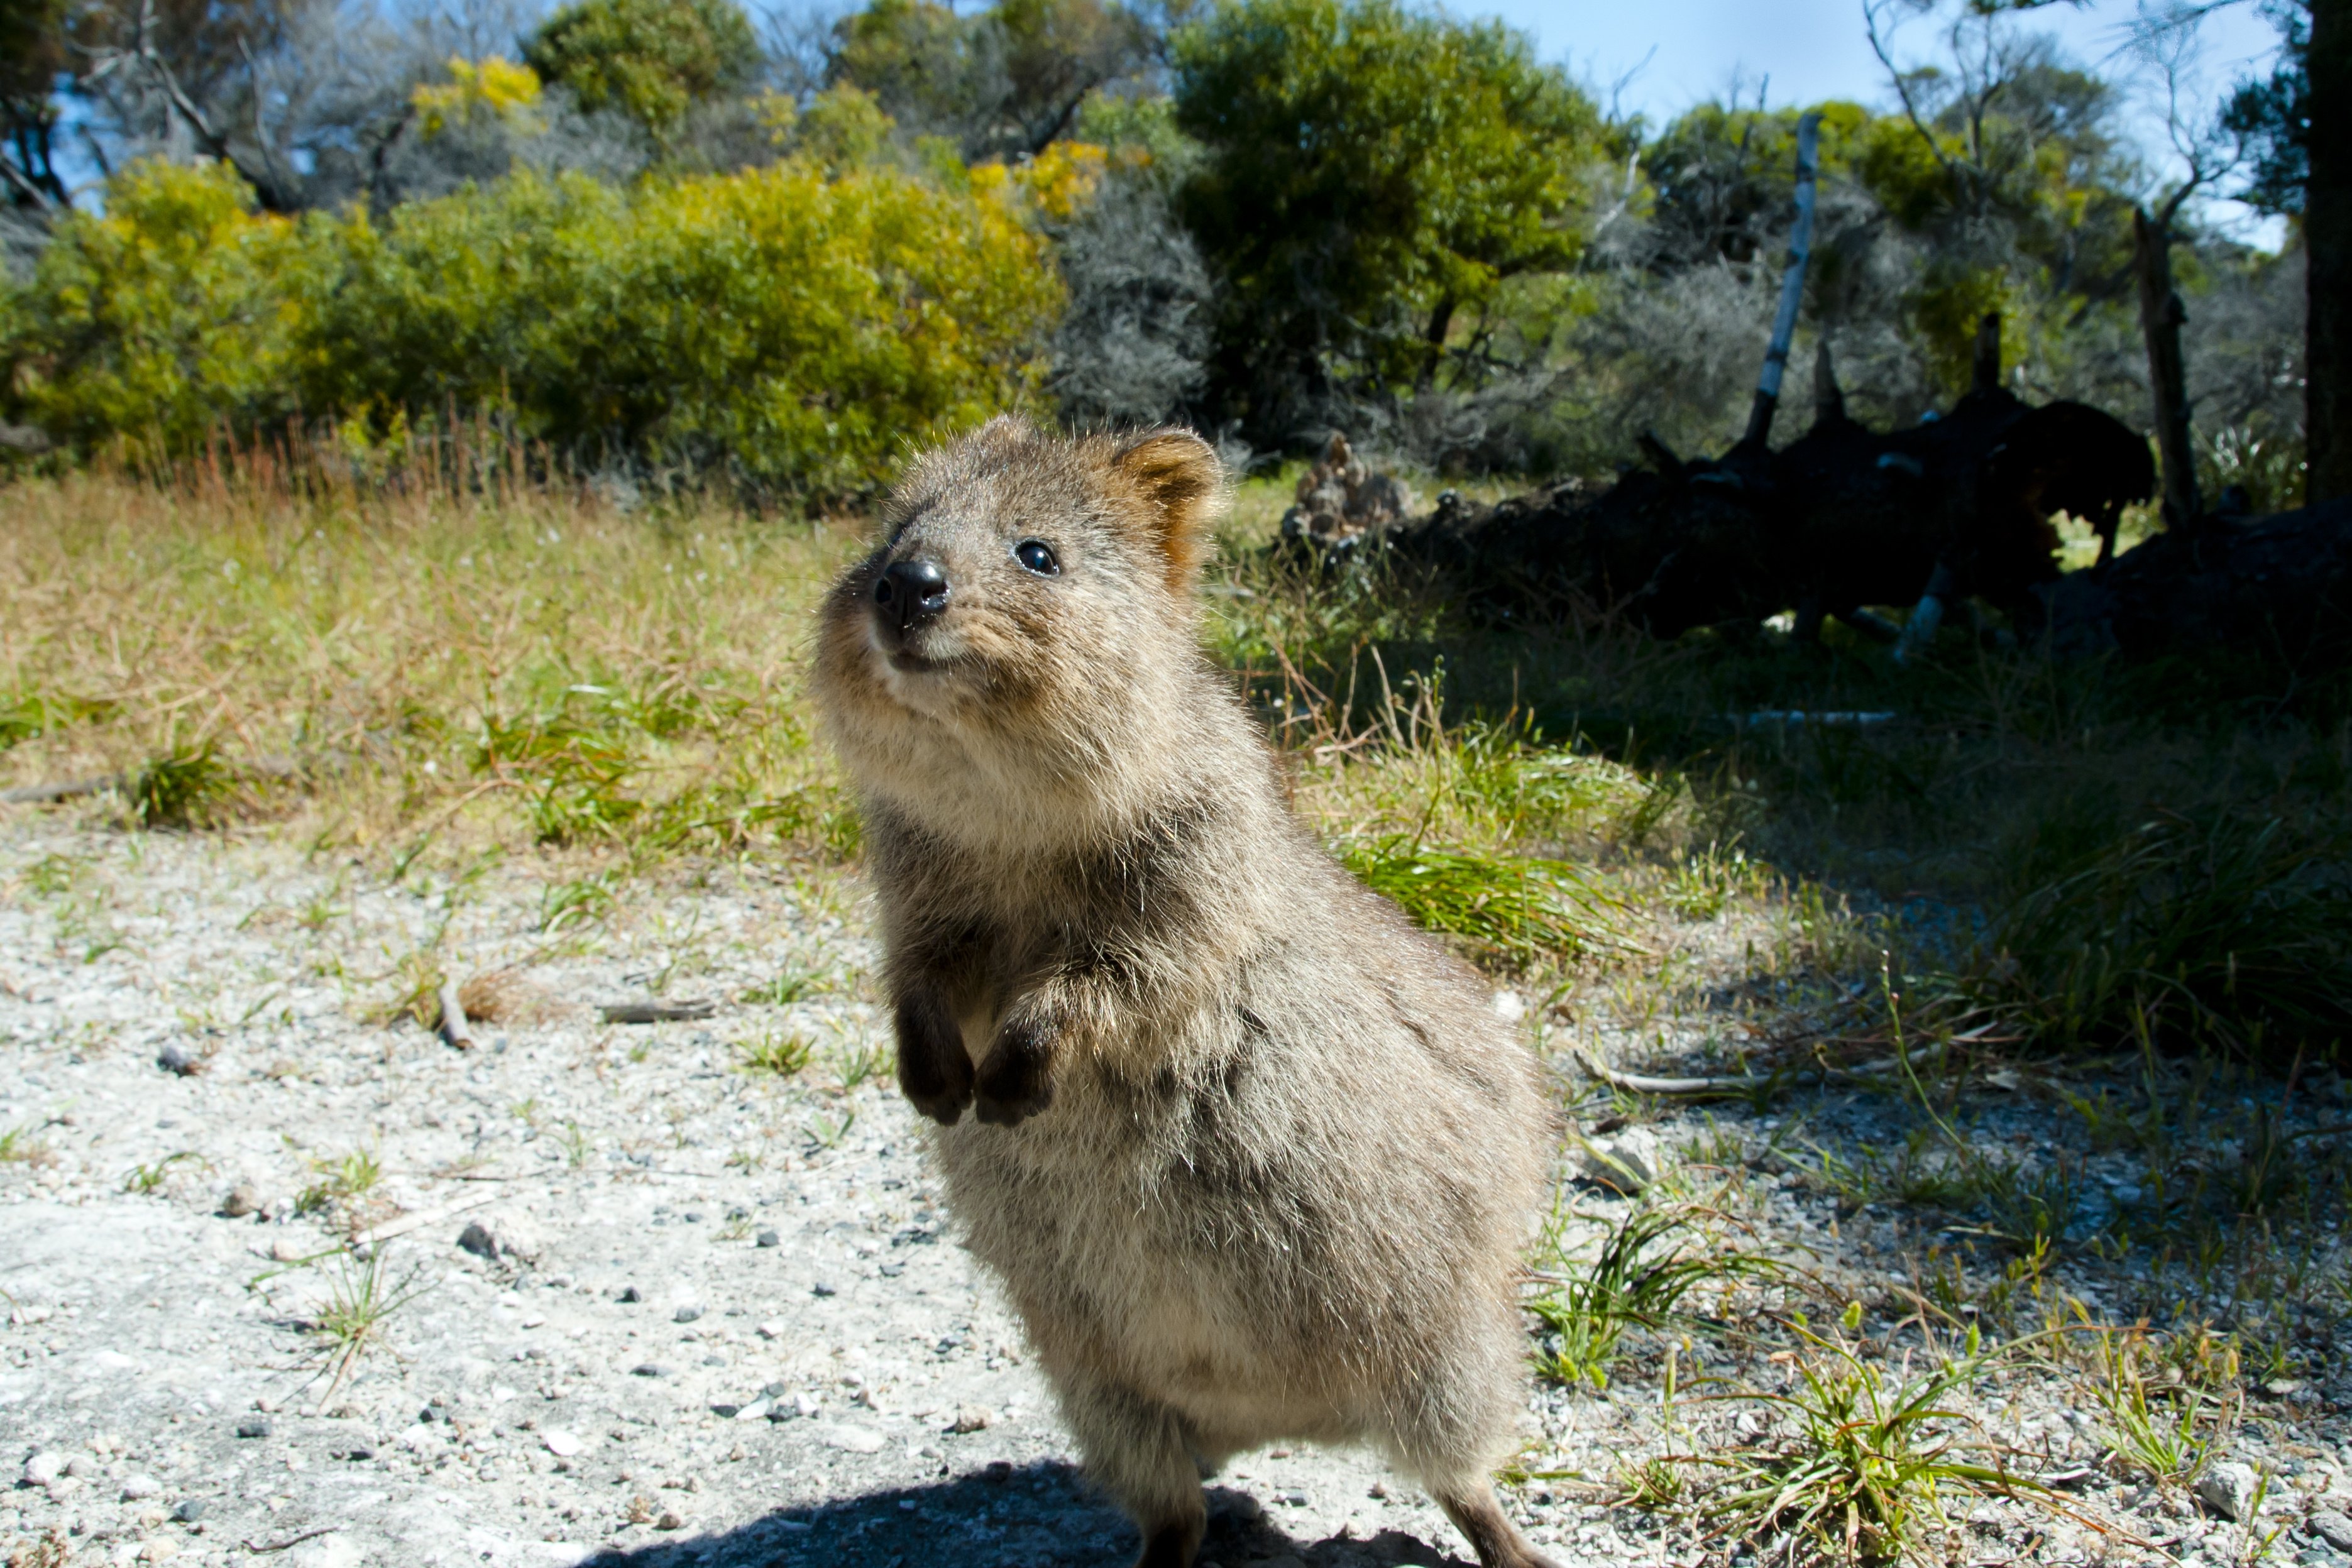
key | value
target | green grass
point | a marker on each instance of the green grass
(1517, 908)
(1646, 1268)
(341, 1183)
(350, 1320)
(2164, 1417)
(775, 1055)
(1870, 1456)
(2231, 926)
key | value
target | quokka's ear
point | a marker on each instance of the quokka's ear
(1176, 475)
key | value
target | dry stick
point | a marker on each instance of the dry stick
(292, 1541)
(1642, 1083)
(453, 1027)
(43, 794)
(1745, 1083)
(423, 1217)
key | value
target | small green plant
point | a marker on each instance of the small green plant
(416, 977)
(1702, 885)
(1645, 1268)
(54, 874)
(784, 990)
(342, 1182)
(827, 1131)
(185, 789)
(2168, 1402)
(148, 1179)
(574, 1144)
(584, 901)
(780, 1055)
(350, 1320)
(23, 1145)
(1870, 1456)
(859, 1064)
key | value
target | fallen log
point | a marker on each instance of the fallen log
(2279, 586)
(1839, 520)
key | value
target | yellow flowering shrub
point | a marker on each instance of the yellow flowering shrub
(142, 326)
(495, 87)
(787, 328)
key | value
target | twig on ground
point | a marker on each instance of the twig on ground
(453, 1027)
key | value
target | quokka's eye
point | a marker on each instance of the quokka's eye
(1035, 555)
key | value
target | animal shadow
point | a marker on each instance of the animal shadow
(1041, 1515)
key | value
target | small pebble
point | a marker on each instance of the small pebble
(139, 1488)
(81, 1466)
(771, 1239)
(563, 1445)
(189, 1511)
(649, 1369)
(243, 1199)
(180, 1057)
(772, 1329)
(255, 1426)
(670, 1519)
(823, 1289)
(44, 1468)
(630, 1294)
(686, 1314)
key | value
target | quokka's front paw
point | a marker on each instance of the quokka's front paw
(934, 1073)
(1016, 1081)
(944, 1106)
(1011, 1107)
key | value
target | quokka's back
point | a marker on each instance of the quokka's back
(1251, 1155)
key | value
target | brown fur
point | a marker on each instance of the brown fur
(1250, 1154)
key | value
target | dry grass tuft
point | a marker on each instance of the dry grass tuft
(503, 995)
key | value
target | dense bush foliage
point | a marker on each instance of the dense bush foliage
(786, 326)
(1373, 175)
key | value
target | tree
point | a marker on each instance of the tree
(2010, 170)
(1005, 82)
(1372, 176)
(32, 56)
(651, 60)
(2272, 119)
(2327, 239)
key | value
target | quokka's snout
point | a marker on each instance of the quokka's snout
(1251, 1155)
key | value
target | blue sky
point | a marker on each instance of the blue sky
(1801, 51)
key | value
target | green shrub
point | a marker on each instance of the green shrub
(146, 323)
(785, 328)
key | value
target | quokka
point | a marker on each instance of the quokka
(1251, 1155)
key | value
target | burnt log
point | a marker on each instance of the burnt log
(1842, 519)
(2275, 586)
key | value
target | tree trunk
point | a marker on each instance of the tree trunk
(2160, 318)
(1441, 323)
(2327, 243)
(1985, 372)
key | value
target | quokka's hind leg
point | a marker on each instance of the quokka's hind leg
(1472, 1507)
(1443, 1429)
(1138, 1450)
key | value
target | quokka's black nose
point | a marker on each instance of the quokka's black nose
(911, 592)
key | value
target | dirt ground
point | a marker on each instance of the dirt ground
(629, 1298)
